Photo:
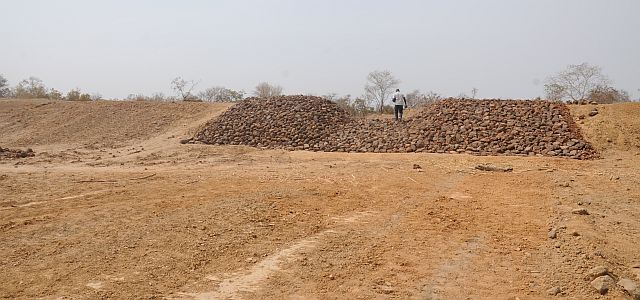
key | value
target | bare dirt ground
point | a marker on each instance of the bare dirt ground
(113, 206)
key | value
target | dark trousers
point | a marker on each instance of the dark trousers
(397, 111)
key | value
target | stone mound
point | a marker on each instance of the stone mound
(284, 122)
(513, 127)
(15, 153)
(480, 127)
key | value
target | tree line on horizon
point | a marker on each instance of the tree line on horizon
(34, 88)
(582, 82)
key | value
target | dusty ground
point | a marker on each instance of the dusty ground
(100, 214)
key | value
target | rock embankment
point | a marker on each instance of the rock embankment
(480, 127)
(289, 122)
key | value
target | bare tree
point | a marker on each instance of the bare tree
(31, 88)
(96, 97)
(356, 107)
(184, 88)
(5, 90)
(379, 87)
(474, 92)
(211, 94)
(54, 94)
(344, 102)
(608, 95)
(361, 109)
(137, 97)
(576, 82)
(330, 96)
(77, 95)
(433, 97)
(220, 94)
(230, 95)
(265, 90)
(417, 98)
(158, 97)
(554, 91)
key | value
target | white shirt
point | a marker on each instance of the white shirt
(400, 99)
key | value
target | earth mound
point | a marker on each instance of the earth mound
(94, 124)
(616, 127)
(480, 127)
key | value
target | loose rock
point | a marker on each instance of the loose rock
(554, 291)
(250, 260)
(602, 284)
(553, 233)
(580, 211)
(636, 272)
(492, 168)
(15, 153)
(631, 287)
(597, 272)
(385, 289)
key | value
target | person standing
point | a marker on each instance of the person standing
(400, 104)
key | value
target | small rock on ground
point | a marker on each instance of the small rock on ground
(553, 233)
(631, 287)
(554, 291)
(636, 272)
(602, 284)
(493, 168)
(597, 272)
(580, 211)
(385, 289)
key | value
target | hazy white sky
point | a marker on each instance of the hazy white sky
(505, 48)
